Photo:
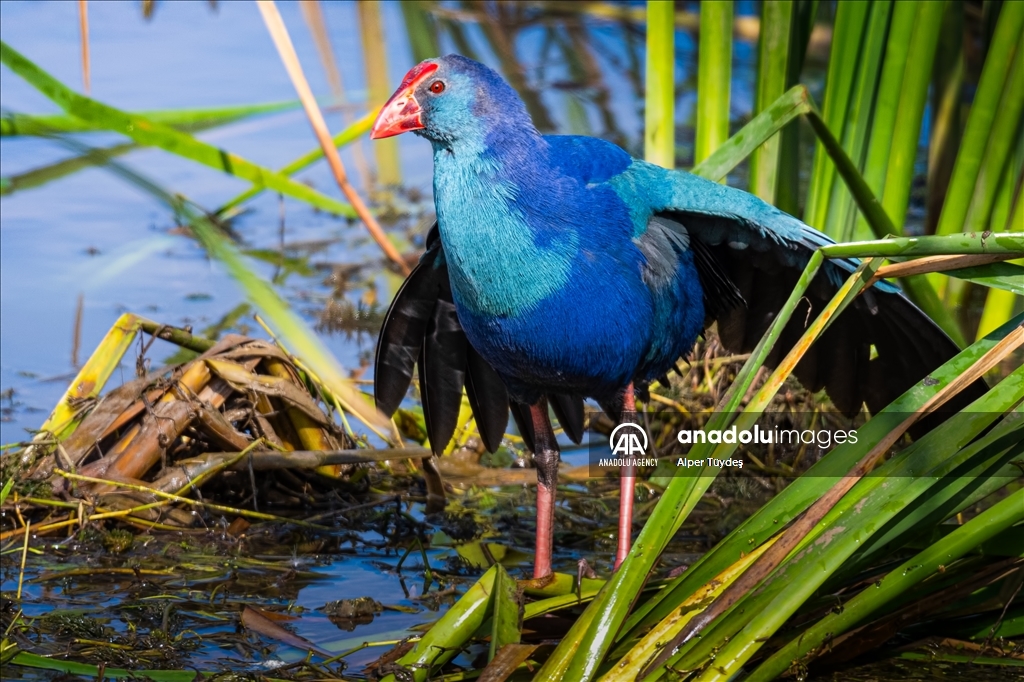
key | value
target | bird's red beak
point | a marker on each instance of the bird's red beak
(402, 112)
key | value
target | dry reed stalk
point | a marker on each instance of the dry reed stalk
(279, 34)
(83, 27)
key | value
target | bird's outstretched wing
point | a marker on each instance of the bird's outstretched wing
(421, 329)
(872, 353)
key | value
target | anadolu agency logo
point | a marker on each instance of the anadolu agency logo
(628, 443)
(625, 440)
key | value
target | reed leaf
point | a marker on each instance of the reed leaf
(913, 97)
(997, 151)
(12, 124)
(841, 208)
(506, 615)
(1000, 277)
(918, 287)
(772, 68)
(862, 512)
(925, 564)
(660, 97)
(449, 634)
(806, 489)
(848, 34)
(787, 192)
(946, 119)
(91, 379)
(1000, 304)
(890, 85)
(83, 34)
(714, 78)
(770, 121)
(375, 62)
(152, 134)
(632, 664)
(30, 660)
(37, 177)
(983, 117)
(350, 134)
(419, 26)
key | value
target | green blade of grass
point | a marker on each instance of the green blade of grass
(906, 133)
(863, 511)
(449, 634)
(787, 189)
(772, 67)
(918, 287)
(6, 490)
(203, 120)
(962, 540)
(419, 25)
(985, 474)
(770, 121)
(841, 208)
(1006, 277)
(842, 66)
(347, 136)
(946, 116)
(153, 134)
(660, 98)
(506, 627)
(1000, 304)
(803, 491)
(997, 151)
(1003, 242)
(38, 177)
(182, 119)
(983, 116)
(91, 671)
(714, 78)
(887, 103)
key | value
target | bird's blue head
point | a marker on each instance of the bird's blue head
(453, 101)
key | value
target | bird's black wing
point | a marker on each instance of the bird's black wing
(872, 353)
(421, 328)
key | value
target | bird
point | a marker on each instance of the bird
(561, 268)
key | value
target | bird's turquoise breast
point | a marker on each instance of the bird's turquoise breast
(490, 247)
(546, 280)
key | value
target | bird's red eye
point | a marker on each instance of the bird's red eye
(437, 87)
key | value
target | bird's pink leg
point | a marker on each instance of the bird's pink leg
(627, 480)
(546, 458)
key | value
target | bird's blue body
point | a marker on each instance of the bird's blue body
(577, 269)
(562, 267)
(560, 278)
(548, 270)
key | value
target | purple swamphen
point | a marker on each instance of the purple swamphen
(561, 268)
